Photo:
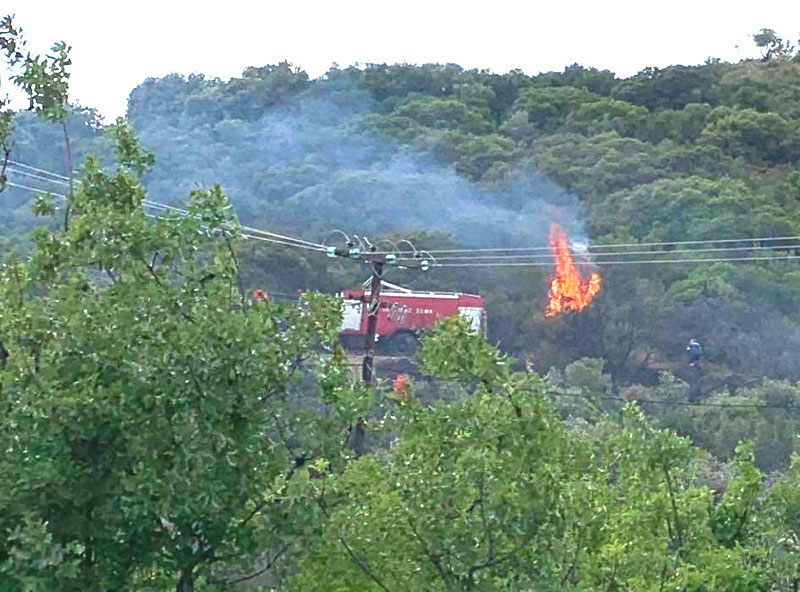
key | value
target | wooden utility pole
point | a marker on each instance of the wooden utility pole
(373, 304)
(373, 307)
(357, 433)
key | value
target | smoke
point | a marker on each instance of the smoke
(314, 164)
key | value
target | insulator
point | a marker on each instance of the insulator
(355, 253)
(331, 252)
(424, 265)
(391, 259)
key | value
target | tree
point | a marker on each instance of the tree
(607, 115)
(443, 519)
(772, 46)
(492, 492)
(11, 44)
(152, 418)
(444, 113)
(46, 81)
(671, 88)
(548, 107)
(757, 137)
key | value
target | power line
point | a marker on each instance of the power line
(614, 245)
(280, 242)
(257, 237)
(164, 207)
(158, 205)
(275, 238)
(14, 171)
(613, 253)
(38, 170)
(34, 189)
(491, 260)
(147, 203)
(630, 262)
(254, 233)
(674, 403)
(300, 241)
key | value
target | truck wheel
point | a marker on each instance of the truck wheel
(352, 343)
(403, 343)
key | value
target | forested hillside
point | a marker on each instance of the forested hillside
(162, 430)
(685, 153)
(474, 159)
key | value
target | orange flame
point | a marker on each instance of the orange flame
(568, 290)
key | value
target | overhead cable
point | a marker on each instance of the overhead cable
(34, 189)
(155, 204)
(505, 254)
(674, 403)
(629, 262)
(15, 171)
(250, 229)
(611, 254)
(751, 239)
(38, 170)
(280, 242)
(257, 237)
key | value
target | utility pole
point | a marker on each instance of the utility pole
(377, 261)
(373, 307)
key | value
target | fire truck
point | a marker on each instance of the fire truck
(402, 314)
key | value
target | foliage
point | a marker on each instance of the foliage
(484, 159)
(11, 44)
(45, 80)
(772, 46)
(492, 492)
(162, 430)
(153, 419)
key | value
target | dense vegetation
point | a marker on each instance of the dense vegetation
(161, 431)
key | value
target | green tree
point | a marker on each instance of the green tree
(606, 116)
(11, 45)
(779, 527)
(435, 513)
(548, 107)
(46, 81)
(757, 137)
(492, 492)
(772, 46)
(670, 88)
(153, 419)
(440, 113)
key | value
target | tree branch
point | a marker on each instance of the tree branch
(362, 565)
(239, 281)
(574, 563)
(150, 268)
(670, 489)
(6, 156)
(490, 554)
(500, 559)
(68, 204)
(4, 355)
(269, 565)
(435, 559)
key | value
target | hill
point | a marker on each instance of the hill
(470, 159)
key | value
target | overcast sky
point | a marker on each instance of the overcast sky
(117, 45)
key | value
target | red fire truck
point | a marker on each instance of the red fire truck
(403, 314)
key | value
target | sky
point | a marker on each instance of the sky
(116, 46)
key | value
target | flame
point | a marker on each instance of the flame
(568, 290)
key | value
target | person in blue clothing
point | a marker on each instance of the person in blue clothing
(695, 352)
